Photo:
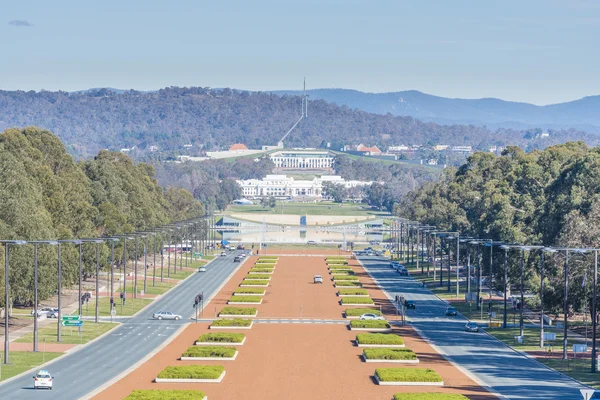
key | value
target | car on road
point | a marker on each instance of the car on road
(223, 254)
(410, 304)
(394, 264)
(238, 258)
(48, 311)
(471, 327)
(42, 379)
(374, 317)
(402, 271)
(318, 279)
(202, 269)
(311, 242)
(451, 312)
(166, 315)
(241, 247)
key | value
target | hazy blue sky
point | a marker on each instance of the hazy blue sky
(540, 51)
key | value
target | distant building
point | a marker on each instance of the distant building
(153, 148)
(301, 159)
(126, 150)
(432, 161)
(238, 147)
(398, 149)
(244, 202)
(368, 150)
(441, 147)
(545, 135)
(187, 146)
(462, 149)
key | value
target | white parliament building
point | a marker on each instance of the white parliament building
(302, 159)
(282, 186)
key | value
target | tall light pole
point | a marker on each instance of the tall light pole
(544, 250)
(97, 242)
(6, 244)
(505, 248)
(111, 287)
(594, 311)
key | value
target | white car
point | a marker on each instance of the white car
(202, 269)
(373, 317)
(49, 311)
(42, 380)
(166, 315)
(318, 279)
(223, 254)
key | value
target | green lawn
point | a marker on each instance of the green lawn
(70, 335)
(321, 208)
(160, 288)
(531, 340)
(21, 361)
(578, 369)
(131, 306)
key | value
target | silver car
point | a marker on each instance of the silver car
(166, 315)
(372, 317)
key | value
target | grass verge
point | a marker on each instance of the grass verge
(353, 292)
(357, 300)
(21, 361)
(357, 312)
(238, 311)
(70, 335)
(249, 291)
(254, 282)
(245, 299)
(370, 324)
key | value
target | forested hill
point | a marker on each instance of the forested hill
(171, 117)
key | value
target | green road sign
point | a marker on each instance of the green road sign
(72, 323)
(71, 317)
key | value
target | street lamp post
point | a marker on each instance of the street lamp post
(97, 242)
(542, 277)
(6, 244)
(35, 287)
(594, 317)
(565, 304)
(505, 283)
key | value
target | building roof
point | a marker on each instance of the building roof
(366, 149)
(238, 146)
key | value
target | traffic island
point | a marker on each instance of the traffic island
(379, 340)
(353, 292)
(154, 394)
(245, 300)
(408, 377)
(355, 313)
(249, 292)
(402, 356)
(356, 301)
(254, 283)
(338, 278)
(333, 268)
(192, 374)
(343, 272)
(238, 312)
(209, 353)
(235, 323)
(220, 338)
(370, 325)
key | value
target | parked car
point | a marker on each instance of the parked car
(49, 311)
(365, 317)
(166, 315)
(42, 379)
(451, 312)
(202, 269)
(318, 279)
(223, 254)
(471, 327)
(410, 304)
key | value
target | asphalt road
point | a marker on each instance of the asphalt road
(83, 371)
(502, 369)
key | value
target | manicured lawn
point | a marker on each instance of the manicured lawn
(155, 394)
(21, 361)
(321, 208)
(70, 335)
(429, 396)
(222, 337)
(232, 322)
(210, 351)
(342, 272)
(379, 338)
(371, 324)
(378, 353)
(160, 288)
(531, 340)
(238, 311)
(245, 299)
(131, 306)
(577, 369)
(353, 292)
(357, 300)
(258, 276)
(357, 312)
(268, 258)
(181, 274)
(333, 268)
(192, 372)
(261, 269)
(407, 375)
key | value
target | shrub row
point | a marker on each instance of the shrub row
(429, 396)
(345, 278)
(222, 337)
(245, 299)
(379, 338)
(210, 351)
(357, 312)
(261, 269)
(342, 272)
(407, 375)
(340, 267)
(371, 324)
(238, 311)
(250, 290)
(154, 394)
(348, 284)
(389, 354)
(353, 292)
(192, 372)
(248, 281)
(268, 258)
(231, 322)
(258, 276)
(357, 300)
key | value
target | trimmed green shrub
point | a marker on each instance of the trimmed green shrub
(231, 322)
(222, 337)
(353, 292)
(340, 268)
(357, 312)
(192, 372)
(155, 394)
(238, 311)
(389, 354)
(407, 375)
(210, 351)
(379, 338)
(333, 263)
(268, 258)
(258, 276)
(429, 396)
(250, 290)
(245, 299)
(345, 278)
(371, 324)
(348, 284)
(260, 263)
(261, 269)
(248, 281)
(357, 300)
(342, 272)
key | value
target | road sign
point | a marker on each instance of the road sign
(587, 393)
(72, 323)
(579, 348)
(71, 317)
(550, 336)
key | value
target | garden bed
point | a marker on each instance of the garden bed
(266, 277)
(245, 300)
(429, 396)
(209, 353)
(341, 272)
(249, 292)
(340, 268)
(154, 394)
(234, 323)
(353, 292)
(370, 325)
(356, 301)
(347, 284)
(351, 313)
(379, 340)
(403, 356)
(260, 270)
(339, 278)
(191, 374)
(268, 258)
(220, 338)
(238, 312)
(254, 283)
(408, 377)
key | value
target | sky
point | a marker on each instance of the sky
(536, 51)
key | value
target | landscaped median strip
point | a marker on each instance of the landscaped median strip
(238, 312)
(338, 278)
(155, 394)
(341, 284)
(266, 277)
(249, 292)
(333, 268)
(254, 283)
(429, 396)
(370, 325)
(379, 340)
(260, 270)
(245, 300)
(353, 292)
(358, 301)
(235, 323)
(209, 353)
(408, 377)
(192, 374)
(341, 272)
(404, 356)
(219, 338)
(357, 312)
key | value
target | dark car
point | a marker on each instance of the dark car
(240, 247)
(471, 327)
(238, 258)
(451, 312)
(410, 304)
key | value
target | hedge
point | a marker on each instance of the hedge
(245, 299)
(345, 278)
(155, 394)
(371, 324)
(248, 281)
(238, 311)
(231, 322)
(192, 372)
(259, 276)
(357, 312)
(251, 290)
(429, 396)
(407, 375)
(353, 292)
(222, 337)
(210, 351)
(261, 269)
(342, 272)
(357, 300)
(379, 338)
(265, 263)
(389, 354)
(338, 266)
(348, 284)
(268, 258)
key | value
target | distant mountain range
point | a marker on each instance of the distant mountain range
(495, 113)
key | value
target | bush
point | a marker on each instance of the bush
(371, 324)
(357, 312)
(357, 300)
(259, 276)
(210, 351)
(340, 268)
(429, 396)
(265, 263)
(222, 337)
(353, 292)
(345, 278)
(389, 354)
(249, 291)
(379, 338)
(192, 372)
(248, 281)
(348, 284)
(261, 269)
(155, 394)
(238, 311)
(342, 272)
(268, 258)
(407, 375)
(231, 322)
(245, 299)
